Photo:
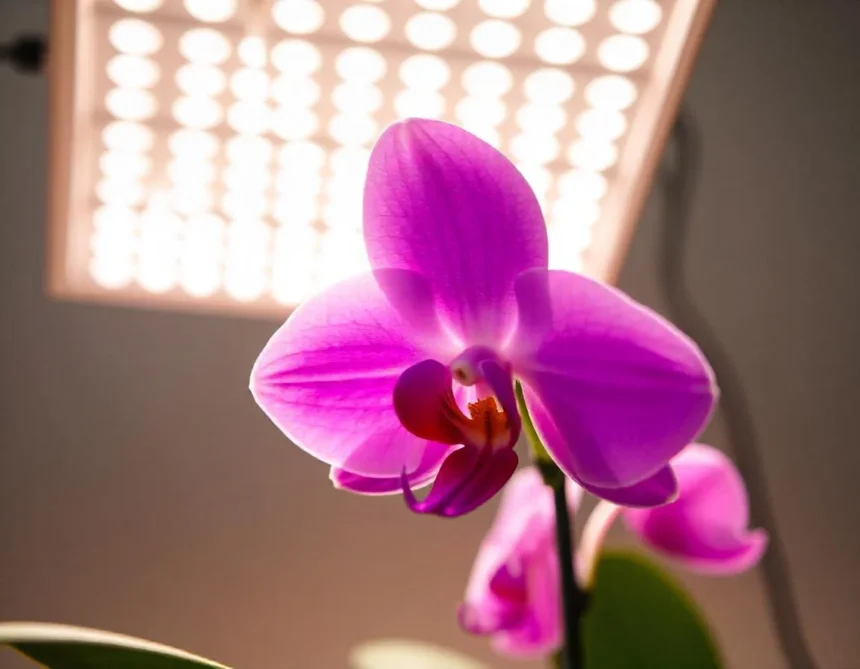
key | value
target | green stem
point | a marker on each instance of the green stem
(573, 598)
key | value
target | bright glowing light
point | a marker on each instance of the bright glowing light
(296, 57)
(350, 162)
(425, 71)
(135, 37)
(252, 51)
(559, 46)
(302, 156)
(570, 12)
(549, 85)
(113, 241)
(358, 98)
(294, 123)
(200, 80)
(197, 112)
(581, 211)
(365, 23)
(244, 203)
(538, 177)
(196, 143)
(495, 38)
(601, 124)
(155, 274)
(430, 31)
(360, 64)
(582, 184)
(295, 211)
(249, 117)
(199, 276)
(128, 136)
(245, 285)
(112, 271)
(301, 17)
(295, 185)
(540, 118)
(622, 53)
(205, 45)
(131, 104)
(191, 198)
(190, 171)
(487, 79)
(352, 129)
(124, 165)
(115, 218)
(132, 71)
(119, 193)
(250, 84)
(534, 149)
(610, 92)
(437, 5)
(211, 11)
(249, 151)
(592, 155)
(294, 93)
(342, 214)
(419, 104)
(474, 111)
(504, 9)
(247, 178)
(139, 5)
(635, 16)
(484, 131)
(569, 233)
(564, 258)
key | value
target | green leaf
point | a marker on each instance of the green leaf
(67, 647)
(639, 617)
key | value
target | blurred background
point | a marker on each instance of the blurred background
(142, 491)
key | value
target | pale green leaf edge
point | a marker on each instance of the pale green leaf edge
(14, 634)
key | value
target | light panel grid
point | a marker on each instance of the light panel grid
(217, 150)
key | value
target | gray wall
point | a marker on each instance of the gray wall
(142, 491)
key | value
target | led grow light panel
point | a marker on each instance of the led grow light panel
(213, 152)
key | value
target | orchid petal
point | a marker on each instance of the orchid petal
(326, 379)
(441, 202)
(656, 490)
(513, 588)
(539, 631)
(424, 403)
(614, 390)
(705, 529)
(365, 485)
(468, 477)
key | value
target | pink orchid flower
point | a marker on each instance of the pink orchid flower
(513, 591)
(404, 377)
(704, 530)
(514, 594)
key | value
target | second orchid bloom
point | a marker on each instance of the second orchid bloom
(513, 594)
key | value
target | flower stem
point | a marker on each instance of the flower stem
(572, 597)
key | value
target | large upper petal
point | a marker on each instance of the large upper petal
(614, 389)
(443, 203)
(326, 379)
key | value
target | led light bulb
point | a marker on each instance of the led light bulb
(365, 23)
(430, 31)
(135, 36)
